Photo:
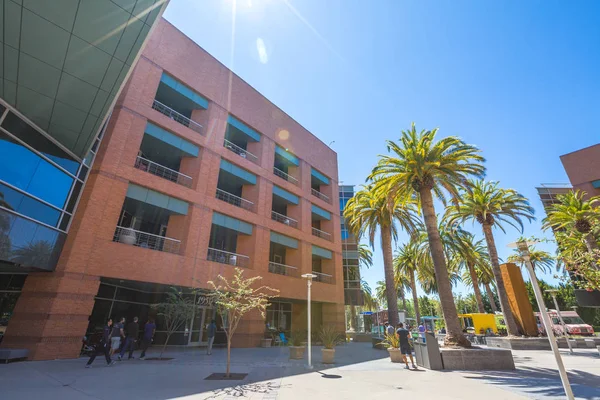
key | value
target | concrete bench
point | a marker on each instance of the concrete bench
(13, 354)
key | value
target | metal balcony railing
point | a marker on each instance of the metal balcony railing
(235, 200)
(285, 176)
(175, 116)
(282, 269)
(319, 233)
(284, 219)
(225, 257)
(320, 195)
(321, 277)
(239, 151)
(164, 172)
(146, 240)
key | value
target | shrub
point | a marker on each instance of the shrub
(391, 341)
(297, 338)
(329, 336)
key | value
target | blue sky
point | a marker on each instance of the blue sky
(518, 79)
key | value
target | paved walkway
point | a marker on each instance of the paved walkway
(360, 373)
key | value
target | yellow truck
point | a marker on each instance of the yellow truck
(478, 323)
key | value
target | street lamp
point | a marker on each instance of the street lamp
(553, 294)
(523, 248)
(309, 278)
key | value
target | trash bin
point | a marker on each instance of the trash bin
(428, 352)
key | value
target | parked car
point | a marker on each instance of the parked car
(573, 322)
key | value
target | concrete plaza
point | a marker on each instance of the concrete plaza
(360, 373)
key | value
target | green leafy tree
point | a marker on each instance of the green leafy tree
(372, 210)
(235, 298)
(491, 207)
(421, 166)
(174, 312)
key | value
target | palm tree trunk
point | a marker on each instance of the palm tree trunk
(403, 297)
(454, 335)
(413, 289)
(511, 324)
(490, 295)
(476, 289)
(388, 269)
(590, 242)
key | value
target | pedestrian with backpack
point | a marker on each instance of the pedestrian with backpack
(103, 346)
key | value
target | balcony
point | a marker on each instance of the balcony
(226, 257)
(323, 278)
(235, 200)
(146, 240)
(282, 269)
(285, 176)
(321, 234)
(240, 151)
(275, 216)
(146, 165)
(320, 195)
(175, 116)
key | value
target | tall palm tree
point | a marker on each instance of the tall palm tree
(470, 254)
(573, 212)
(422, 166)
(490, 206)
(371, 210)
(540, 259)
(406, 263)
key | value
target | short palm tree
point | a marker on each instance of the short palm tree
(491, 206)
(540, 259)
(421, 166)
(365, 259)
(406, 263)
(370, 303)
(573, 212)
(372, 210)
(470, 253)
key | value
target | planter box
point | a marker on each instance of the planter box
(395, 355)
(477, 359)
(265, 342)
(328, 356)
(296, 352)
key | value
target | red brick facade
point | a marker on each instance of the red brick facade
(52, 313)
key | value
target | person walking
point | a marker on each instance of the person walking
(211, 330)
(149, 330)
(103, 346)
(389, 329)
(116, 335)
(132, 330)
(405, 348)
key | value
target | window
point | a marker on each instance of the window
(279, 317)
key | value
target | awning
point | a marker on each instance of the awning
(286, 155)
(285, 195)
(157, 199)
(323, 180)
(246, 176)
(231, 223)
(284, 240)
(321, 252)
(242, 127)
(320, 212)
(172, 139)
(184, 90)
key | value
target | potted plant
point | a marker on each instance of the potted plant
(296, 345)
(392, 343)
(330, 338)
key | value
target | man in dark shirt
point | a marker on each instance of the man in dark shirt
(405, 348)
(102, 346)
(149, 330)
(132, 330)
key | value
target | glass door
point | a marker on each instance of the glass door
(197, 326)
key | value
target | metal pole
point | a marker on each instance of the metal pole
(309, 282)
(547, 323)
(561, 320)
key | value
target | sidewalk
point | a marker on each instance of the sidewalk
(360, 373)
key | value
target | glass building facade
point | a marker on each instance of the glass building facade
(352, 291)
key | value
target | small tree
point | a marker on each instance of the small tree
(235, 299)
(175, 312)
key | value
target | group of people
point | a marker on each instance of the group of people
(404, 337)
(121, 338)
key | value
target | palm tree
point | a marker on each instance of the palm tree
(573, 213)
(406, 263)
(491, 206)
(540, 259)
(365, 259)
(370, 303)
(470, 253)
(371, 210)
(420, 165)
(485, 277)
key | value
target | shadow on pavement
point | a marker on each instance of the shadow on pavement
(543, 381)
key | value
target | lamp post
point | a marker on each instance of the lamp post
(523, 248)
(562, 323)
(309, 278)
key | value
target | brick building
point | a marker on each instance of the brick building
(196, 173)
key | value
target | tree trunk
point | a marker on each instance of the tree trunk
(590, 242)
(490, 295)
(476, 288)
(454, 335)
(227, 373)
(511, 324)
(388, 269)
(403, 297)
(164, 346)
(413, 289)
(353, 318)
